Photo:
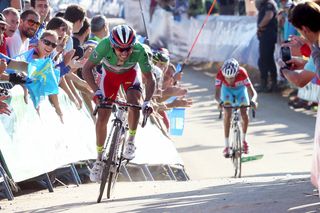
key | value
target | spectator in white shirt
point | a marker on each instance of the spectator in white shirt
(19, 42)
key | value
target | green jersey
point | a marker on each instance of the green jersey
(105, 53)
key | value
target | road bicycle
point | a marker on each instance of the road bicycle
(235, 131)
(114, 147)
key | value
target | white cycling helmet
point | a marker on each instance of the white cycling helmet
(230, 68)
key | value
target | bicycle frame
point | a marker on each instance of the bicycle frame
(114, 146)
(235, 129)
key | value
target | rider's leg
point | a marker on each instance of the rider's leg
(245, 122)
(243, 100)
(226, 122)
(133, 97)
(101, 129)
(101, 134)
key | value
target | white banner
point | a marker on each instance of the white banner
(33, 145)
(222, 37)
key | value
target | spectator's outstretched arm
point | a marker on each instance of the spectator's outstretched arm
(300, 79)
(74, 91)
(18, 65)
(63, 84)
(4, 108)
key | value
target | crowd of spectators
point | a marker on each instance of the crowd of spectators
(68, 38)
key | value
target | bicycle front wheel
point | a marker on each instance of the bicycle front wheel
(107, 170)
(236, 152)
(115, 163)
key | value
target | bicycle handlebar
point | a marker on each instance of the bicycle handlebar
(108, 103)
(238, 107)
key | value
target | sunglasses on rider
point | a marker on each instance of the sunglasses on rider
(123, 49)
(49, 43)
(32, 23)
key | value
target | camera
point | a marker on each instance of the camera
(286, 54)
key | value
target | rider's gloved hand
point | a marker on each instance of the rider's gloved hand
(15, 78)
(98, 96)
(147, 107)
(254, 104)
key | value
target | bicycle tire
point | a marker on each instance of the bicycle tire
(115, 140)
(113, 176)
(106, 169)
(103, 183)
(236, 152)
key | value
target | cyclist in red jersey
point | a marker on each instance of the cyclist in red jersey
(234, 88)
(125, 62)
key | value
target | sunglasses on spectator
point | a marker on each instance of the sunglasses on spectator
(49, 43)
(33, 23)
(123, 49)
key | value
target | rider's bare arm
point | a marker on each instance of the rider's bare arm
(218, 94)
(88, 75)
(150, 85)
(252, 93)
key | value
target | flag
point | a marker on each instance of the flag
(26, 56)
(45, 80)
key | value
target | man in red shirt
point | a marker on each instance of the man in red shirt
(234, 88)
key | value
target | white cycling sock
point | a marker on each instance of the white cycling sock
(226, 141)
(244, 136)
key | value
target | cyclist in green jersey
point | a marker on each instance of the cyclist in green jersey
(125, 62)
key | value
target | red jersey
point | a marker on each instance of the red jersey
(242, 79)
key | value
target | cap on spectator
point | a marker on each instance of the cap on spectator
(98, 22)
(3, 19)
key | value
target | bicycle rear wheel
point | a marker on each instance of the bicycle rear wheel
(236, 152)
(109, 163)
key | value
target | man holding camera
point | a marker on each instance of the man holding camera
(306, 18)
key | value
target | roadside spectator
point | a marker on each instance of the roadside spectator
(75, 15)
(19, 42)
(46, 45)
(286, 28)
(43, 8)
(79, 39)
(306, 18)
(227, 7)
(99, 28)
(267, 36)
(196, 7)
(208, 4)
(13, 19)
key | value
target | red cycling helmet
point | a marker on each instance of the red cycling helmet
(122, 36)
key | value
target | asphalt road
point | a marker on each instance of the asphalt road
(279, 182)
